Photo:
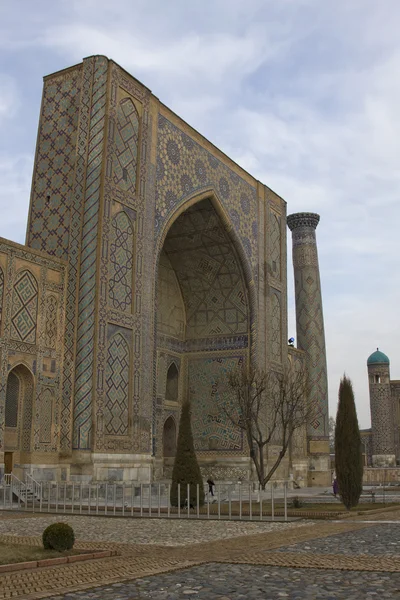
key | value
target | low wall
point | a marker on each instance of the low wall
(380, 475)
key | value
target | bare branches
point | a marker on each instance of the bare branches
(269, 407)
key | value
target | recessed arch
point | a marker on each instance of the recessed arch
(169, 438)
(172, 384)
(213, 272)
(19, 409)
(211, 194)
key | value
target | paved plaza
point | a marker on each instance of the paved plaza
(176, 559)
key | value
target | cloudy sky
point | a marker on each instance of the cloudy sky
(304, 94)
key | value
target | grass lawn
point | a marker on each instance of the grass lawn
(13, 553)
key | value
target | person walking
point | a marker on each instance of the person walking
(335, 486)
(211, 485)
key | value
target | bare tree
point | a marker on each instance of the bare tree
(269, 407)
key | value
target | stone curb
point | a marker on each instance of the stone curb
(52, 562)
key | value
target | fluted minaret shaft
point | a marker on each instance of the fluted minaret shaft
(309, 316)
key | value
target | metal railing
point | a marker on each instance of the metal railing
(134, 499)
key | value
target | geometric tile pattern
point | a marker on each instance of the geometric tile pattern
(121, 263)
(116, 409)
(126, 151)
(138, 202)
(77, 201)
(1, 291)
(46, 416)
(49, 223)
(24, 308)
(27, 406)
(87, 284)
(275, 245)
(309, 316)
(208, 391)
(184, 167)
(382, 417)
(50, 325)
(203, 258)
(276, 328)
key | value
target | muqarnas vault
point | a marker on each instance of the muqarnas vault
(153, 265)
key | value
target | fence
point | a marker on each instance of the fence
(230, 501)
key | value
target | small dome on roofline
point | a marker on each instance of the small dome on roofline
(378, 358)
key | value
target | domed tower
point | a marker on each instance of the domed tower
(382, 417)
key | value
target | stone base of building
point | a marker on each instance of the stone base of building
(86, 467)
(383, 460)
(319, 471)
(299, 472)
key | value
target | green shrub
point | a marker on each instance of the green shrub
(297, 503)
(58, 536)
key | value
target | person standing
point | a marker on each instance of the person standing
(335, 486)
(211, 485)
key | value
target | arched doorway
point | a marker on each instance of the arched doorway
(18, 413)
(169, 438)
(203, 318)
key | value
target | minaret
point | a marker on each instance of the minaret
(311, 339)
(381, 404)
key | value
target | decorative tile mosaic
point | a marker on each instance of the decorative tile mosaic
(49, 222)
(88, 261)
(116, 409)
(26, 380)
(275, 245)
(77, 203)
(202, 256)
(1, 291)
(309, 315)
(121, 263)
(382, 414)
(46, 416)
(50, 324)
(24, 308)
(184, 167)
(212, 431)
(126, 151)
(276, 328)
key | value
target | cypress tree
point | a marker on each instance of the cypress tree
(348, 454)
(186, 468)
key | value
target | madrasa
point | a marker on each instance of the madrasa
(153, 266)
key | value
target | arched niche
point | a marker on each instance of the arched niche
(19, 410)
(169, 438)
(172, 384)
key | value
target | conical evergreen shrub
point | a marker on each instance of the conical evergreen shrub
(348, 453)
(186, 468)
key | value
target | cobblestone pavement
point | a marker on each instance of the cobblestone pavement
(376, 540)
(248, 564)
(172, 532)
(233, 582)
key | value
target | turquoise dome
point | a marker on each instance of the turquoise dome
(378, 358)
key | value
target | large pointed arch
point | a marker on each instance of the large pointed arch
(212, 195)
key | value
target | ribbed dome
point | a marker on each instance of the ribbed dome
(378, 358)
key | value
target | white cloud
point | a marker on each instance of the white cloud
(15, 178)
(9, 97)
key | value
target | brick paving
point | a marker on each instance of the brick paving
(209, 547)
